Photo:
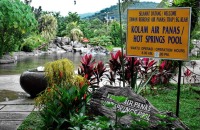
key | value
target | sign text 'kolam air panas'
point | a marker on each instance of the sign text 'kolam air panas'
(160, 33)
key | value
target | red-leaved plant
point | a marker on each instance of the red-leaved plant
(91, 70)
(142, 70)
(190, 76)
(166, 71)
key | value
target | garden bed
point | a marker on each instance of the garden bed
(164, 100)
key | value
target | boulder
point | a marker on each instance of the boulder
(134, 104)
(66, 40)
(67, 48)
(33, 82)
(58, 39)
(77, 44)
(195, 51)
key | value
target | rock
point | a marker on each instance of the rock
(67, 48)
(84, 50)
(7, 59)
(77, 44)
(97, 50)
(134, 103)
(58, 39)
(198, 45)
(195, 51)
(2, 61)
(66, 40)
(33, 82)
(52, 45)
(62, 43)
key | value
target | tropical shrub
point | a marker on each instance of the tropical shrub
(85, 26)
(61, 24)
(68, 28)
(101, 41)
(48, 26)
(65, 96)
(166, 71)
(76, 34)
(68, 23)
(91, 70)
(61, 103)
(195, 9)
(16, 21)
(114, 33)
(138, 72)
(32, 42)
(196, 31)
(141, 69)
(73, 17)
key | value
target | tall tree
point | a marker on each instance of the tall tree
(195, 9)
(16, 21)
(68, 23)
(114, 33)
(72, 17)
(48, 26)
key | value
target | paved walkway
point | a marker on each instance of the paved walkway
(12, 113)
(10, 82)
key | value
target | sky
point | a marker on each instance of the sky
(81, 7)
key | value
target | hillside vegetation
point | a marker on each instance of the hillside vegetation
(113, 12)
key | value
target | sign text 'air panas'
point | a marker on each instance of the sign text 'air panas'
(160, 33)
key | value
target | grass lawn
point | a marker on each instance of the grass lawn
(189, 112)
(32, 122)
(195, 57)
(163, 100)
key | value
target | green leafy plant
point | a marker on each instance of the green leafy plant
(76, 34)
(59, 71)
(195, 9)
(66, 95)
(17, 20)
(85, 122)
(68, 23)
(61, 103)
(48, 26)
(114, 33)
(101, 41)
(32, 42)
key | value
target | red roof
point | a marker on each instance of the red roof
(85, 40)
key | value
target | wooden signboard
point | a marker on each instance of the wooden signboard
(134, 103)
(159, 33)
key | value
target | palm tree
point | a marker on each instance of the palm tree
(76, 34)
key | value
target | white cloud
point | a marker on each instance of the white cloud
(82, 6)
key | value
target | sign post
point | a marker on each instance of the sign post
(159, 33)
(179, 89)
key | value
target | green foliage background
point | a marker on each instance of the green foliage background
(16, 21)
